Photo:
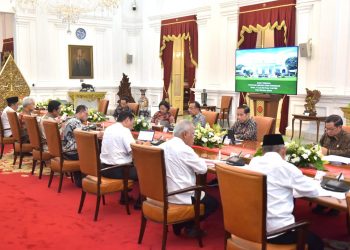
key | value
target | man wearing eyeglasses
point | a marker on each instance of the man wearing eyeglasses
(335, 141)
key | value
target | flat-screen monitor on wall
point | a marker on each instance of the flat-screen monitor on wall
(268, 70)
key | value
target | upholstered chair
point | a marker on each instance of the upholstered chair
(225, 108)
(103, 106)
(211, 117)
(244, 209)
(174, 112)
(5, 140)
(134, 107)
(264, 125)
(21, 148)
(35, 141)
(58, 163)
(153, 189)
(90, 165)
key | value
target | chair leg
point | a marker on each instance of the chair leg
(142, 228)
(228, 121)
(20, 159)
(126, 197)
(165, 234)
(60, 185)
(2, 149)
(71, 177)
(82, 199)
(97, 207)
(103, 200)
(14, 158)
(41, 169)
(51, 176)
(34, 165)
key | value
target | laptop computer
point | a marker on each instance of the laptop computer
(146, 135)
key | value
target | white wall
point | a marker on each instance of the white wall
(41, 46)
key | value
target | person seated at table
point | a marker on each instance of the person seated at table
(12, 106)
(335, 140)
(244, 127)
(69, 144)
(182, 164)
(122, 106)
(195, 111)
(282, 179)
(28, 105)
(116, 149)
(163, 115)
(53, 113)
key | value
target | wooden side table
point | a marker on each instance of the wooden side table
(302, 118)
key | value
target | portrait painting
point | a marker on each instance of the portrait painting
(80, 62)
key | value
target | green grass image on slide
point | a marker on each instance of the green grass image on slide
(286, 85)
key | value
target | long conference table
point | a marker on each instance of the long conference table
(247, 150)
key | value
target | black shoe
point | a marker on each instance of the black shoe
(177, 228)
(193, 232)
(319, 209)
(213, 183)
(122, 199)
(138, 204)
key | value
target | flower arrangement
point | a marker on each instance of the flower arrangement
(95, 116)
(209, 137)
(140, 123)
(302, 155)
(42, 105)
(67, 109)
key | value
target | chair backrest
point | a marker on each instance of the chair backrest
(346, 128)
(134, 107)
(264, 125)
(211, 117)
(174, 112)
(244, 204)
(33, 131)
(1, 129)
(226, 102)
(87, 146)
(151, 173)
(53, 138)
(103, 106)
(14, 124)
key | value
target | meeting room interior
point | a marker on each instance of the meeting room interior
(187, 124)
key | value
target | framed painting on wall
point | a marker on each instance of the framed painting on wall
(80, 58)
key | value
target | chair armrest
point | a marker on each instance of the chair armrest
(296, 225)
(184, 190)
(67, 151)
(5, 129)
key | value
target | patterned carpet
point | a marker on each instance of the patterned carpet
(6, 166)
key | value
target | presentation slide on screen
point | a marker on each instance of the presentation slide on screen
(271, 70)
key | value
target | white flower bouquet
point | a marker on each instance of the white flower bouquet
(209, 137)
(67, 109)
(95, 116)
(41, 105)
(141, 123)
(304, 155)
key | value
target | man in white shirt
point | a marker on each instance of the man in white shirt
(12, 106)
(182, 164)
(116, 148)
(282, 179)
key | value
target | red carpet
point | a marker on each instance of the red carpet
(33, 216)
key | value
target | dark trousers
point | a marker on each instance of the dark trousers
(210, 206)
(77, 175)
(314, 242)
(118, 173)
